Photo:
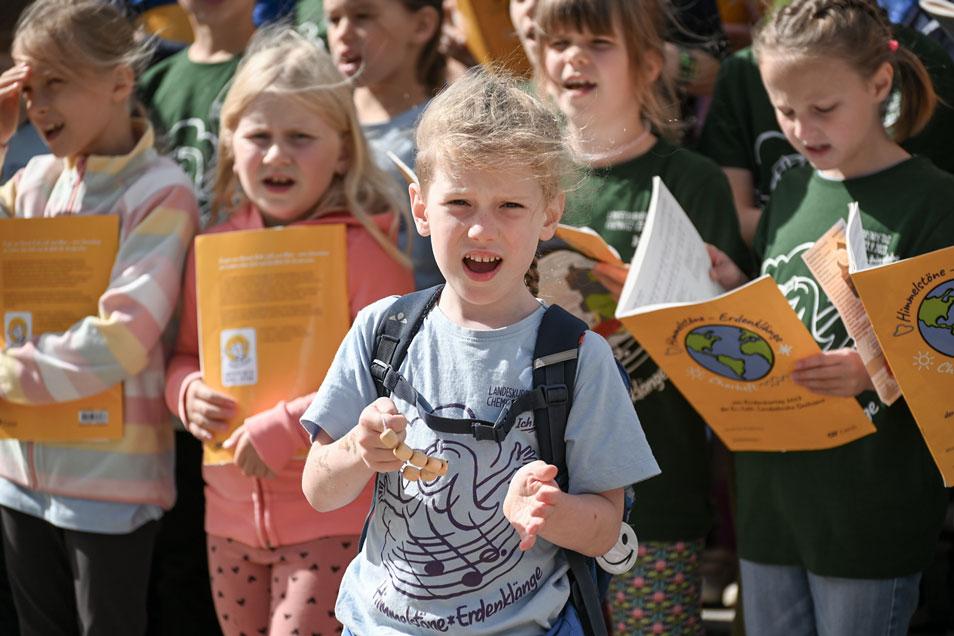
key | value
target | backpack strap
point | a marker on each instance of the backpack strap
(396, 331)
(554, 373)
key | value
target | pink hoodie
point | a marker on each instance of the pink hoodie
(273, 512)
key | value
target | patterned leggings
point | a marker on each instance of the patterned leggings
(662, 594)
(278, 591)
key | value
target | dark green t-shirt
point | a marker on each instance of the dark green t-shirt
(310, 19)
(184, 100)
(871, 508)
(741, 130)
(614, 201)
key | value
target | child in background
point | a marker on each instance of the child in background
(742, 135)
(184, 92)
(291, 152)
(601, 61)
(834, 541)
(79, 520)
(493, 169)
(390, 51)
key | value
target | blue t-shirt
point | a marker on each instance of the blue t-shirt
(440, 557)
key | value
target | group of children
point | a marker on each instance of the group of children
(278, 132)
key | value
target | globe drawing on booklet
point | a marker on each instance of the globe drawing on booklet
(732, 352)
(936, 318)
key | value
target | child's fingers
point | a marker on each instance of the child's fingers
(207, 394)
(198, 432)
(199, 419)
(548, 493)
(827, 372)
(396, 423)
(385, 405)
(234, 437)
(540, 471)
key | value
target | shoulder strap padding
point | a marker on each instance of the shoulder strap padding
(398, 326)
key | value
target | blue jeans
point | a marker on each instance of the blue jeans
(568, 624)
(791, 601)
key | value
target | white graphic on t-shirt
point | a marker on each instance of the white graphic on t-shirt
(806, 298)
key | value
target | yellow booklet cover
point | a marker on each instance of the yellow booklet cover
(909, 304)
(52, 273)
(272, 309)
(588, 242)
(732, 358)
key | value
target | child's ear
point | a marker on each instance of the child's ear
(554, 212)
(654, 63)
(344, 157)
(124, 82)
(419, 209)
(426, 24)
(881, 82)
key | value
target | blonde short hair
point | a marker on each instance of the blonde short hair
(488, 120)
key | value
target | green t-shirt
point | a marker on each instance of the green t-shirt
(184, 100)
(741, 130)
(871, 508)
(310, 19)
(614, 201)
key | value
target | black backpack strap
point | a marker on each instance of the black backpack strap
(396, 331)
(554, 373)
(391, 340)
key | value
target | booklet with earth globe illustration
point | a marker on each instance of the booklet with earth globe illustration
(909, 303)
(729, 353)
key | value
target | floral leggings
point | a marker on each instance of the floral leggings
(662, 594)
(278, 591)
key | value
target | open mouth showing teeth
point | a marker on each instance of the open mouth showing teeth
(278, 182)
(52, 131)
(578, 85)
(482, 264)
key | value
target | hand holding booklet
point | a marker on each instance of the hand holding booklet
(910, 304)
(729, 353)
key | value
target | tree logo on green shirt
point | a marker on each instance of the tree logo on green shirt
(936, 319)
(732, 352)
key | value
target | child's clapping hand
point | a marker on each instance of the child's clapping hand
(530, 500)
(365, 438)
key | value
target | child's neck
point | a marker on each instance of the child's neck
(879, 154)
(385, 101)
(486, 316)
(608, 142)
(221, 43)
(119, 138)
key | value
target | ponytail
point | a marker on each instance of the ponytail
(918, 98)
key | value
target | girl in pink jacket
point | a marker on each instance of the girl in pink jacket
(290, 152)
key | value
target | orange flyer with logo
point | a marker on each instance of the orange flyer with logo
(273, 308)
(732, 358)
(911, 305)
(52, 273)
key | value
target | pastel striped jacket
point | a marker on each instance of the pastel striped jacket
(123, 342)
